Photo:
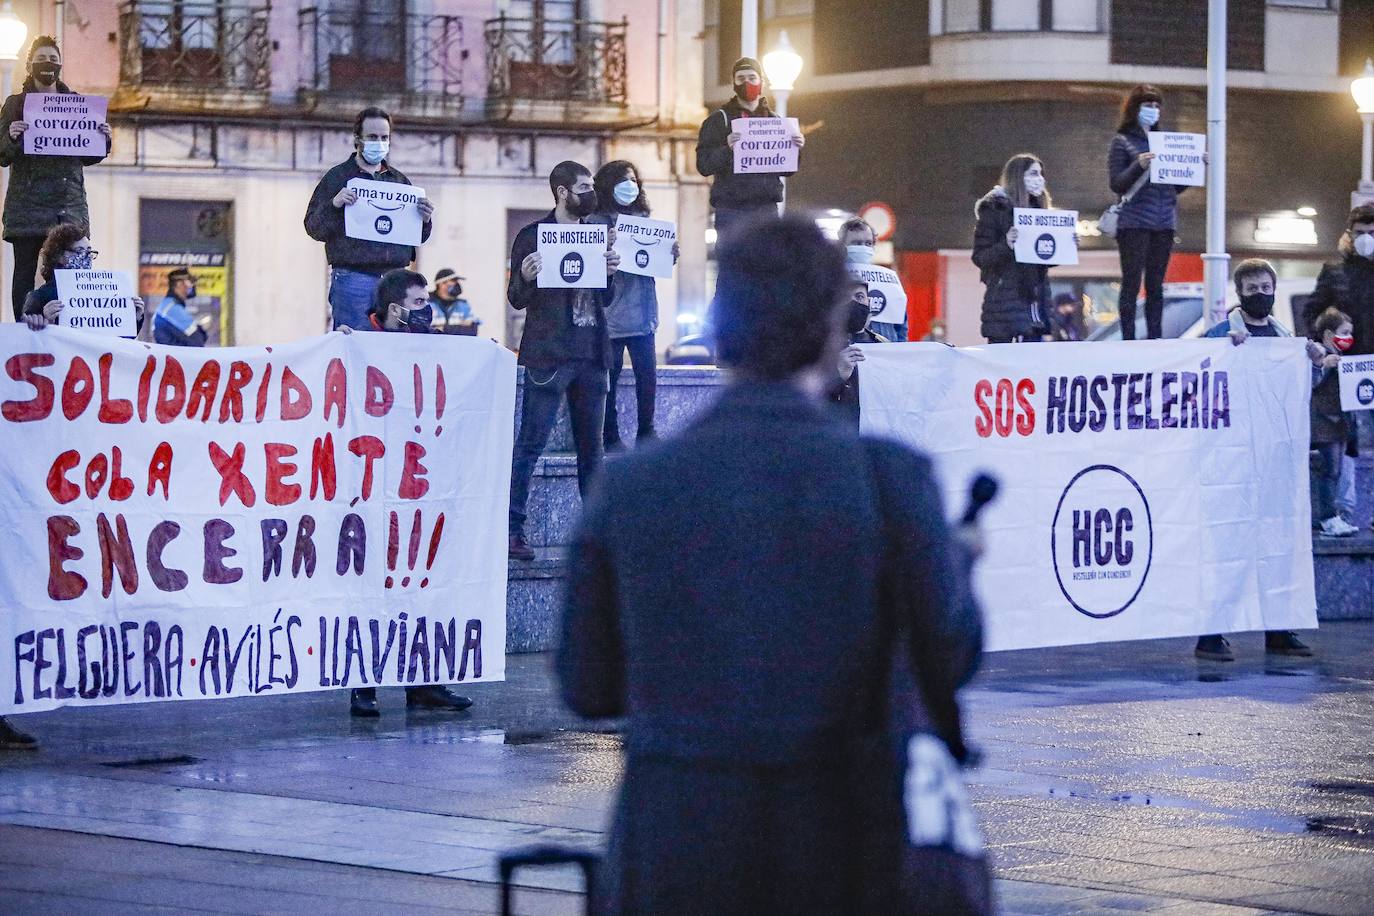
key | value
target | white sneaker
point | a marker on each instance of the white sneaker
(1337, 527)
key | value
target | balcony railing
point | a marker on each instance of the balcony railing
(543, 60)
(194, 44)
(360, 52)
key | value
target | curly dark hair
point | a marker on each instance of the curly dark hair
(1130, 106)
(610, 175)
(779, 297)
(60, 238)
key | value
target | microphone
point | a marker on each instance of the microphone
(982, 491)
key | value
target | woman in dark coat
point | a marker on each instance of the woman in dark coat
(1016, 302)
(44, 191)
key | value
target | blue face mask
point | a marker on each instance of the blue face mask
(859, 254)
(626, 193)
(1148, 117)
(374, 151)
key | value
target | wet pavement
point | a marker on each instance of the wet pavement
(1118, 777)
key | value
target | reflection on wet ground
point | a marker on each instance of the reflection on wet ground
(1124, 776)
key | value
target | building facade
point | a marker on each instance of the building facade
(918, 103)
(226, 113)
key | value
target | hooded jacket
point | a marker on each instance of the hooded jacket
(1017, 296)
(716, 160)
(44, 191)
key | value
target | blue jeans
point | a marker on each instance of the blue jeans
(893, 333)
(350, 297)
(1326, 476)
(583, 381)
(727, 218)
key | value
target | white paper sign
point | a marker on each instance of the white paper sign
(645, 245)
(886, 297)
(97, 300)
(1046, 236)
(196, 523)
(386, 211)
(1357, 382)
(1178, 158)
(765, 145)
(1134, 480)
(574, 256)
(64, 124)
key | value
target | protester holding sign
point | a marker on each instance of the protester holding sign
(632, 313)
(356, 264)
(1017, 297)
(565, 348)
(859, 242)
(859, 330)
(65, 248)
(44, 191)
(1330, 425)
(1147, 222)
(738, 197)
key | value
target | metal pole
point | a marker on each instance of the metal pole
(749, 29)
(1367, 155)
(780, 97)
(6, 265)
(1216, 262)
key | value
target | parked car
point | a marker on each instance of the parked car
(1183, 316)
(692, 350)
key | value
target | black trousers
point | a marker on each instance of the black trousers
(645, 363)
(1144, 252)
(26, 249)
(583, 381)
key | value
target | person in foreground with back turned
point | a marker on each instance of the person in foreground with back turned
(745, 594)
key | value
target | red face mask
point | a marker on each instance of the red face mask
(748, 92)
(1342, 344)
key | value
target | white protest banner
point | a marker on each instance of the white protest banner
(97, 300)
(886, 297)
(1179, 158)
(1046, 236)
(386, 211)
(765, 145)
(1357, 382)
(645, 245)
(64, 124)
(1135, 480)
(574, 256)
(196, 523)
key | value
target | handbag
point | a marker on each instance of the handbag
(1107, 222)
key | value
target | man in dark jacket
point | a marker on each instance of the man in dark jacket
(738, 198)
(356, 264)
(732, 594)
(44, 191)
(565, 350)
(1347, 284)
(859, 331)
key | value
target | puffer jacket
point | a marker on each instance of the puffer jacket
(1348, 285)
(44, 191)
(1154, 206)
(1017, 297)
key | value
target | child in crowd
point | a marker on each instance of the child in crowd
(1334, 331)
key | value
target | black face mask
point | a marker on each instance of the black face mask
(858, 317)
(1257, 305)
(45, 72)
(583, 204)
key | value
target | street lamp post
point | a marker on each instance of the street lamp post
(13, 32)
(1363, 91)
(1216, 262)
(782, 66)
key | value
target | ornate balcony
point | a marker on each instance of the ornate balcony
(351, 55)
(201, 50)
(540, 61)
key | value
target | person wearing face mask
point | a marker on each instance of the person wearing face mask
(859, 242)
(44, 191)
(355, 265)
(452, 313)
(1347, 283)
(632, 313)
(1330, 426)
(565, 349)
(860, 331)
(1148, 219)
(1016, 300)
(173, 323)
(738, 198)
(66, 247)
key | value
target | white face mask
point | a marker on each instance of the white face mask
(374, 151)
(1148, 117)
(1364, 245)
(1035, 185)
(859, 254)
(626, 192)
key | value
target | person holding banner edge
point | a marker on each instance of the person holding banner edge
(44, 191)
(1016, 300)
(565, 349)
(738, 198)
(632, 313)
(355, 265)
